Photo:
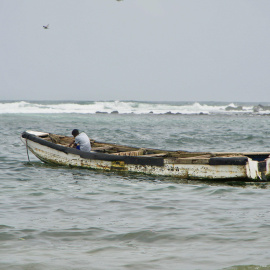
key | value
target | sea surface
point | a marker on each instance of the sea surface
(61, 218)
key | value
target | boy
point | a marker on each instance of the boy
(81, 141)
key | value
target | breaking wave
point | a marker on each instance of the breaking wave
(128, 107)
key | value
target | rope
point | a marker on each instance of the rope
(27, 150)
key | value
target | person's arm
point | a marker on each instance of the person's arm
(73, 144)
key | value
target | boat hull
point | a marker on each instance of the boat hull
(222, 169)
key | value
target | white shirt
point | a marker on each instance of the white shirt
(84, 142)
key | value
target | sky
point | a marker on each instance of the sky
(144, 50)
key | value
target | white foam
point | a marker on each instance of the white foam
(122, 107)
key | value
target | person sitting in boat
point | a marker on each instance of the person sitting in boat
(81, 141)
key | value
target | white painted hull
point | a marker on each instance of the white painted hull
(248, 171)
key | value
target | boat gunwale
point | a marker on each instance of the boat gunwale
(136, 160)
(218, 158)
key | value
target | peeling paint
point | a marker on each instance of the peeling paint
(185, 171)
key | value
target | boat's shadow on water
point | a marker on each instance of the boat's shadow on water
(247, 267)
(139, 177)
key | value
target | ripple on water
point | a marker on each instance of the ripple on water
(61, 218)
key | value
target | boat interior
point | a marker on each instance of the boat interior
(122, 150)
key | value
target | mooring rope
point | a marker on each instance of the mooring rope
(27, 150)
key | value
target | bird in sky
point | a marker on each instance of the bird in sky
(46, 26)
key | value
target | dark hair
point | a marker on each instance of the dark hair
(75, 132)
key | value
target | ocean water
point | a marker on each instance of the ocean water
(61, 218)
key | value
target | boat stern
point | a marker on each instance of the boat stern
(267, 169)
(259, 170)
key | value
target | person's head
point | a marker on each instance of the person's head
(75, 132)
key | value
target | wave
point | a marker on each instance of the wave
(129, 107)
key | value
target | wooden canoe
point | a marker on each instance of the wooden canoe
(245, 166)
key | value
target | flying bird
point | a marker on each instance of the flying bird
(46, 26)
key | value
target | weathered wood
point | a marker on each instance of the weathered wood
(102, 148)
(183, 164)
(123, 150)
(187, 161)
(139, 152)
(178, 154)
(157, 155)
(241, 153)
